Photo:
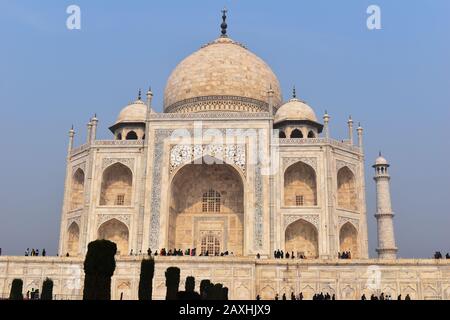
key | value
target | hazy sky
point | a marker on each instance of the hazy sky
(394, 80)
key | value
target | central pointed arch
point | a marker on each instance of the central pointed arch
(206, 199)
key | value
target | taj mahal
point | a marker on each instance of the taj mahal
(230, 165)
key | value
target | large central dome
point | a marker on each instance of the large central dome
(222, 76)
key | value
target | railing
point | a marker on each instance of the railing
(102, 143)
(281, 141)
(79, 149)
(320, 141)
(118, 143)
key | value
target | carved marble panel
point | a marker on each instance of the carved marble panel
(129, 162)
(340, 164)
(124, 218)
(311, 218)
(231, 154)
(311, 161)
(344, 220)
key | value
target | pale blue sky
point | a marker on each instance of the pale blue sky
(395, 81)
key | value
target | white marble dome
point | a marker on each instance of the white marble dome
(222, 76)
(295, 109)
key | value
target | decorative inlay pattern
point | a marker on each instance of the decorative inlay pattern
(158, 155)
(129, 162)
(210, 115)
(311, 161)
(258, 232)
(184, 154)
(311, 218)
(218, 103)
(124, 218)
(344, 220)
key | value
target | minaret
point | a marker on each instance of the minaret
(270, 94)
(70, 146)
(89, 132)
(326, 121)
(386, 239)
(149, 99)
(94, 122)
(350, 130)
(360, 136)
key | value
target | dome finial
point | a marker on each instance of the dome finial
(224, 25)
(379, 154)
(140, 95)
(294, 93)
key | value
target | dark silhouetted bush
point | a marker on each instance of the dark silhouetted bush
(146, 279)
(172, 282)
(16, 290)
(99, 267)
(189, 293)
(47, 290)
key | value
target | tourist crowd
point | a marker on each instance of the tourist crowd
(345, 255)
(180, 253)
(383, 296)
(280, 254)
(32, 295)
(34, 253)
(438, 255)
(317, 296)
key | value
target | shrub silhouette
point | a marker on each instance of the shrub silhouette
(172, 282)
(99, 267)
(189, 293)
(16, 290)
(47, 290)
(146, 279)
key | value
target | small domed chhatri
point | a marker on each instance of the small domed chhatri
(134, 112)
(130, 124)
(295, 119)
(295, 109)
(222, 76)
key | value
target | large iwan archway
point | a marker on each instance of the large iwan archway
(301, 238)
(206, 209)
